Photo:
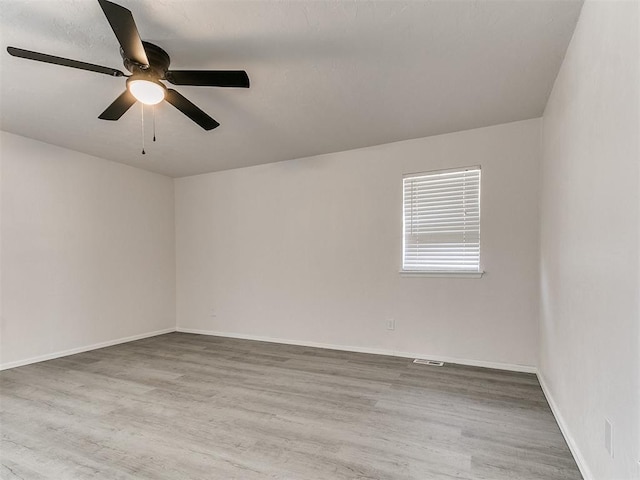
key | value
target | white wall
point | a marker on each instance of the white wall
(590, 221)
(87, 250)
(309, 251)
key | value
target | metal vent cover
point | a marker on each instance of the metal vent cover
(424, 361)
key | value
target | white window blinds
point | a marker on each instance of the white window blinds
(442, 221)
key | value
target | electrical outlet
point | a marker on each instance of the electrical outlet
(608, 437)
(391, 324)
(212, 312)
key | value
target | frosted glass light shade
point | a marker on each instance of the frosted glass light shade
(147, 92)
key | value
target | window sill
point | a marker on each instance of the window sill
(415, 273)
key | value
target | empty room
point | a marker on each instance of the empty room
(320, 240)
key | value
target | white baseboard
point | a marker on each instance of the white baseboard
(564, 428)
(375, 351)
(347, 348)
(73, 351)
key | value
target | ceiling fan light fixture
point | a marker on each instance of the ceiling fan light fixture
(148, 64)
(146, 91)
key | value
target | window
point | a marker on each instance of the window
(441, 226)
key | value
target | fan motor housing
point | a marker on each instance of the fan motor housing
(159, 61)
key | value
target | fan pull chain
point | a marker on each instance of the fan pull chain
(142, 123)
(154, 123)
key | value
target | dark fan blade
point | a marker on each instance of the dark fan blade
(65, 62)
(190, 110)
(124, 27)
(118, 107)
(209, 78)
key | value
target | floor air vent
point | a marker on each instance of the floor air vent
(433, 363)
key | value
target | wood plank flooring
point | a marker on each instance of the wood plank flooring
(183, 406)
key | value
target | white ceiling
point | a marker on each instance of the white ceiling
(326, 76)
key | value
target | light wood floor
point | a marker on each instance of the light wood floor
(182, 406)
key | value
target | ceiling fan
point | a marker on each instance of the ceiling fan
(148, 65)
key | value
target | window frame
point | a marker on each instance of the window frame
(442, 273)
